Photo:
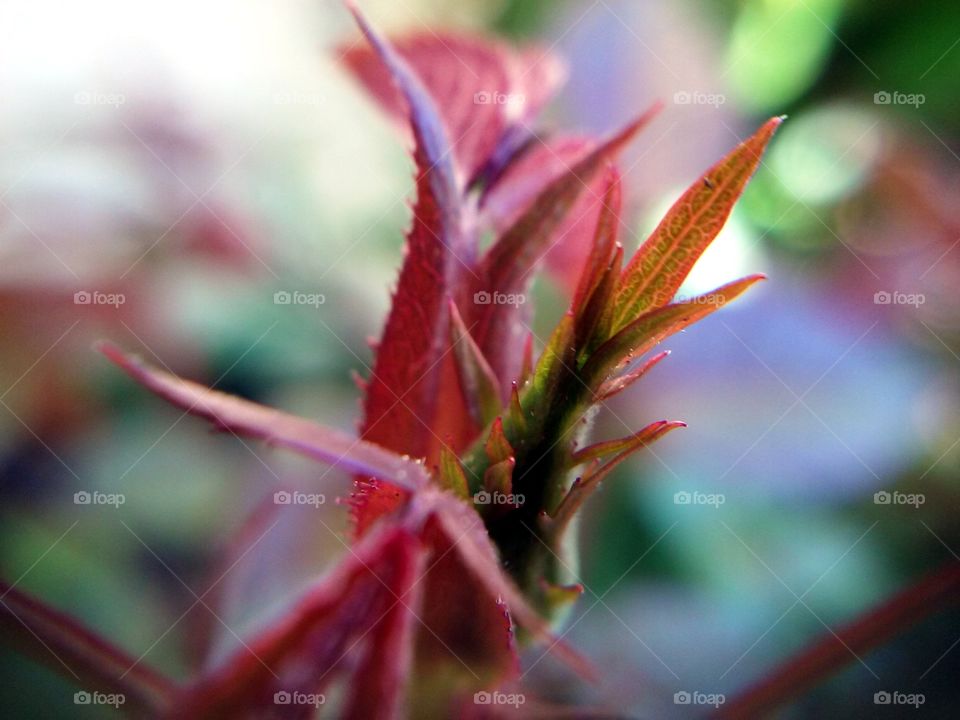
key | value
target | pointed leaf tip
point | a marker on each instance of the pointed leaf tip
(659, 267)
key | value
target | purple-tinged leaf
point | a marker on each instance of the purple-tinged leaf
(274, 427)
(485, 91)
(412, 370)
(507, 267)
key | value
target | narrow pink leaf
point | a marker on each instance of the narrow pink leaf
(485, 90)
(273, 426)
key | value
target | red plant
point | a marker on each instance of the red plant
(472, 460)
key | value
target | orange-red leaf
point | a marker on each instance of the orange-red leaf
(659, 267)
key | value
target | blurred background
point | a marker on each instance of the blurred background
(165, 169)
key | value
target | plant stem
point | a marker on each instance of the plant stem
(830, 653)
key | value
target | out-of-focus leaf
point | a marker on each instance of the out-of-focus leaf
(274, 427)
(497, 446)
(485, 90)
(498, 478)
(539, 164)
(507, 266)
(304, 649)
(451, 474)
(659, 267)
(66, 647)
(477, 381)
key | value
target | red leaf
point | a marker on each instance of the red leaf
(623, 448)
(81, 656)
(620, 383)
(507, 266)
(364, 601)
(484, 89)
(659, 267)
(412, 370)
(273, 426)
